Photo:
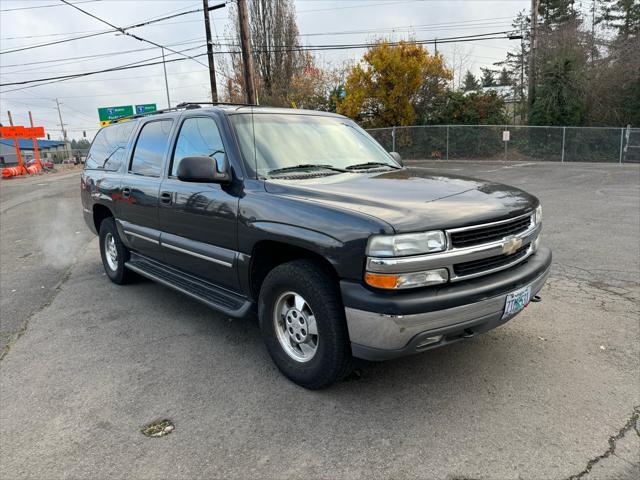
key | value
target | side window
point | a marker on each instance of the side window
(109, 147)
(198, 137)
(150, 148)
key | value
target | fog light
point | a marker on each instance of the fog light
(407, 280)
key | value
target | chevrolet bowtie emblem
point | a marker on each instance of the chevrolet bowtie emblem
(511, 245)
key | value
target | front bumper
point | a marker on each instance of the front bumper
(385, 325)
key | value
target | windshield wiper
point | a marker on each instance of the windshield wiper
(306, 166)
(368, 165)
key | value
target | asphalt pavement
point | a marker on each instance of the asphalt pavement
(86, 364)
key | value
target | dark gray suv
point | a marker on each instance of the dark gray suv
(302, 218)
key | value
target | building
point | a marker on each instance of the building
(49, 150)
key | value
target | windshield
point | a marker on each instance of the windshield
(286, 142)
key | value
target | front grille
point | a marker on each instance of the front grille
(485, 264)
(488, 234)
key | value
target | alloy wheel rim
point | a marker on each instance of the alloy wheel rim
(296, 327)
(111, 252)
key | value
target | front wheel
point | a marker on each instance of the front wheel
(303, 324)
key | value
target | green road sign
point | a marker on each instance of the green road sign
(112, 113)
(146, 108)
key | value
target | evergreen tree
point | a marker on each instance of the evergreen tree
(488, 79)
(517, 64)
(553, 13)
(504, 79)
(470, 82)
(562, 62)
(623, 16)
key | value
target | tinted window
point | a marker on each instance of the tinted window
(150, 148)
(198, 137)
(108, 148)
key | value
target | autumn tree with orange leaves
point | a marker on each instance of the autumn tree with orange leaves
(384, 88)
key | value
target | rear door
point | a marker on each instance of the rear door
(140, 186)
(198, 220)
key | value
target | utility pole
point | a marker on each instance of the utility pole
(166, 81)
(64, 131)
(532, 51)
(522, 105)
(247, 59)
(212, 69)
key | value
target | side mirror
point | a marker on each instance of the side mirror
(204, 170)
(396, 156)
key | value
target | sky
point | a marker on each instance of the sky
(26, 23)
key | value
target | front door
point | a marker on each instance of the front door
(198, 220)
(138, 196)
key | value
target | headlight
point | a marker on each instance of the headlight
(406, 244)
(407, 280)
(537, 216)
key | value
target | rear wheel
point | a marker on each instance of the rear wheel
(113, 252)
(303, 324)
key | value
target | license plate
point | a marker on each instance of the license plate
(516, 301)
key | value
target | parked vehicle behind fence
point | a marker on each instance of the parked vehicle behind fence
(304, 219)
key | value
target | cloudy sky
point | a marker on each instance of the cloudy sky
(25, 23)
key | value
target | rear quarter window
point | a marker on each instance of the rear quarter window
(109, 147)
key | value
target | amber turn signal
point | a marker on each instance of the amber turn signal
(381, 281)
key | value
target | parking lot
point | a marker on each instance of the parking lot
(85, 364)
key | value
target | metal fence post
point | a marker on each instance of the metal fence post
(447, 142)
(621, 144)
(393, 138)
(564, 131)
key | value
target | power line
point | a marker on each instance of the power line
(122, 30)
(42, 6)
(277, 49)
(102, 32)
(127, 66)
(123, 67)
(86, 58)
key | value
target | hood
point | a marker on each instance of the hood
(410, 199)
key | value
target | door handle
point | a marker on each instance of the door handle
(126, 191)
(166, 197)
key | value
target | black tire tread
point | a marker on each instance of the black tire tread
(123, 275)
(308, 275)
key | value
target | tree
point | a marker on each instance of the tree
(473, 109)
(470, 82)
(384, 87)
(562, 57)
(623, 16)
(504, 79)
(488, 79)
(277, 58)
(517, 64)
(554, 13)
(314, 88)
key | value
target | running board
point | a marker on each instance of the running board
(215, 297)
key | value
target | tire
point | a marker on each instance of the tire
(324, 357)
(114, 267)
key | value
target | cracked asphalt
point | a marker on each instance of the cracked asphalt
(85, 364)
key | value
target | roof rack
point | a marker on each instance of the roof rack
(187, 104)
(181, 106)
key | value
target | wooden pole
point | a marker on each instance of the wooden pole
(532, 52)
(212, 68)
(247, 58)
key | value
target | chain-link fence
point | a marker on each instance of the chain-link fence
(512, 142)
